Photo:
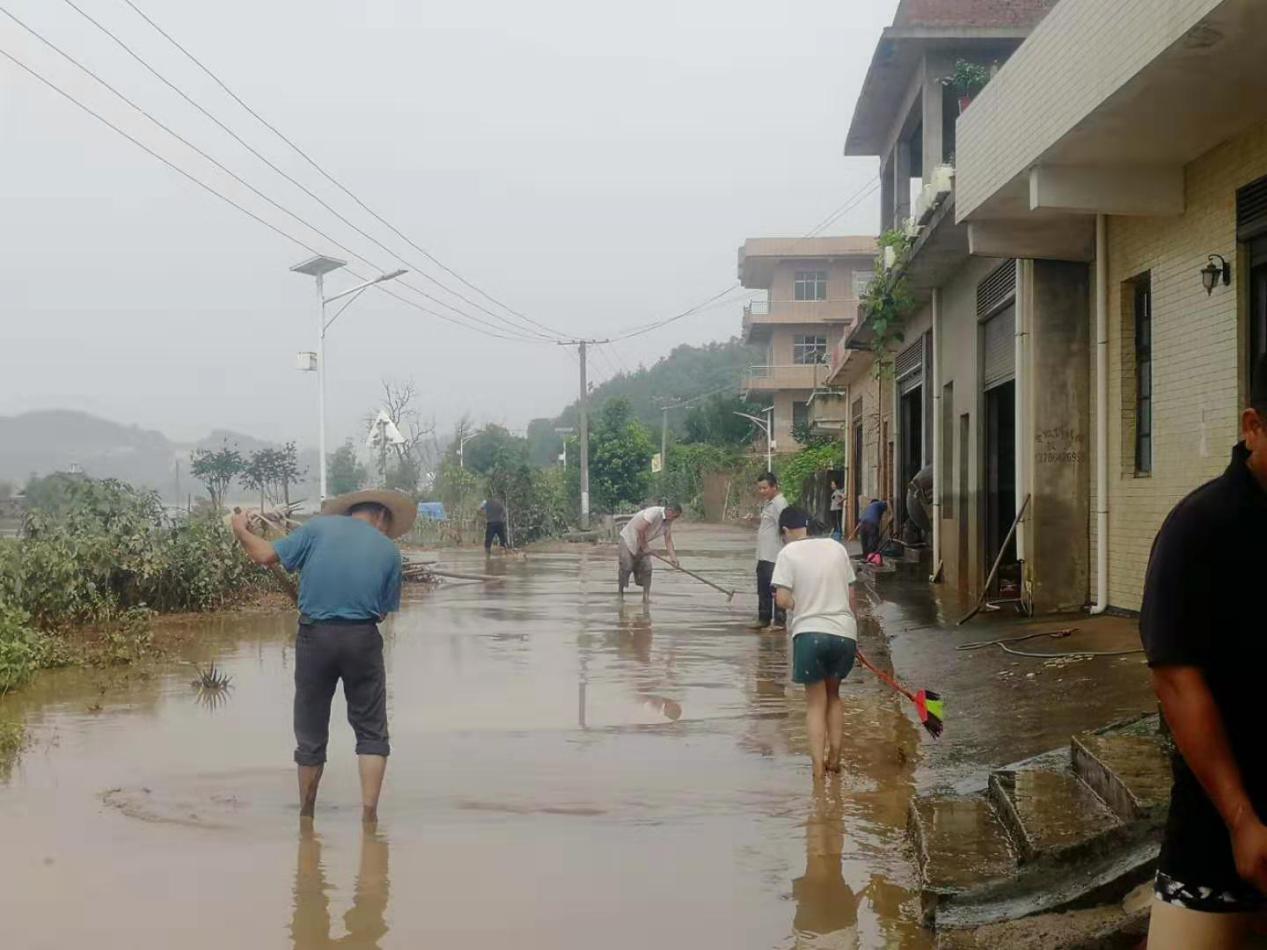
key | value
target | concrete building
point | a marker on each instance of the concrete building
(812, 287)
(1089, 269)
(901, 408)
(1127, 142)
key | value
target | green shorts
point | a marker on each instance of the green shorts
(821, 656)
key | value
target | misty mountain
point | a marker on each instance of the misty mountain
(58, 440)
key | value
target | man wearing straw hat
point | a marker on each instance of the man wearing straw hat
(350, 576)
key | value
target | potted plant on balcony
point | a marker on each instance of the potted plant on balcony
(968, 80)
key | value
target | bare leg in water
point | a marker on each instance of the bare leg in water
(816, 725)
(309, 779)
(372, 769)
(835, 725)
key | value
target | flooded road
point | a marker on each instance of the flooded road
(567, 772)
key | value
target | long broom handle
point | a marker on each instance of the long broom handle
(885, 677)
(702, 580)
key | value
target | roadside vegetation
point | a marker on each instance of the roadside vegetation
(103, 557)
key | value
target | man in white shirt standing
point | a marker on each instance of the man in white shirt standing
(812, 578)
(769, 543)
(635, 545)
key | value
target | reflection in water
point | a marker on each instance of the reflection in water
(365, 921)
(826, 908)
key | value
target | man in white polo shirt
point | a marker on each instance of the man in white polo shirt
(812, 579)
(635, 545)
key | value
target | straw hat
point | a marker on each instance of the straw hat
(403, 510)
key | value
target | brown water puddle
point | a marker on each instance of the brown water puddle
(566, 772)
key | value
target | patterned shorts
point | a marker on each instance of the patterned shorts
(1208, 900)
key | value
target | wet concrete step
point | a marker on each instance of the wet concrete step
(1128, 767)
(959, 842)
(1047, 809)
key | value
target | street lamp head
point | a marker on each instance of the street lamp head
(392, 276)
(316, 266)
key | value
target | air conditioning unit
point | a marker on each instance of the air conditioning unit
(935, 192)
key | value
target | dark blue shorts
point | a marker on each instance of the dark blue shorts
(821, 656)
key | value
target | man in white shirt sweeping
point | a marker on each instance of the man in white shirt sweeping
(812, 579)
(635, 545)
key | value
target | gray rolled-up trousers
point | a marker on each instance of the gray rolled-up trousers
(329, 651)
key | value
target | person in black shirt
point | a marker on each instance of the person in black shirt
(1204, 629)
(494, 511)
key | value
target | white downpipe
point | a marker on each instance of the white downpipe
(1101, 416)
(1020, 409)
(937, 446)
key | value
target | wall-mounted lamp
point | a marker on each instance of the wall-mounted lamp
(1211, 272)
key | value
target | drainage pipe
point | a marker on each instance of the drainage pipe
(1020, 409)
(938, 448)
(1101, 416)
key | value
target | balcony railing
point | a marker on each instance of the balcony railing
(787, 376)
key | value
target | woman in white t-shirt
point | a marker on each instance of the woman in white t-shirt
(812, 579)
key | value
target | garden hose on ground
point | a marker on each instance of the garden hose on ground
(1053, 634)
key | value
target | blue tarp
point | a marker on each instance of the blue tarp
(431, 510)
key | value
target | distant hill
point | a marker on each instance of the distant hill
(59, 440)
(687, 372)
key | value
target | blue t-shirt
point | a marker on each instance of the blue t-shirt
(349, 569)
(875, 513)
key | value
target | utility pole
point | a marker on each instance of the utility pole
(581, 346)
(664, 434)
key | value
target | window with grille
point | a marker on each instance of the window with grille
(861, 282)
(807, 350)
(811, 285)
(1143, 376)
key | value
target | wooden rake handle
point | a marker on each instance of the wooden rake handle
(703, 580)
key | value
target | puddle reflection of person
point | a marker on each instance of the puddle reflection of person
(635, 638)
(826, 908)
(366, 919)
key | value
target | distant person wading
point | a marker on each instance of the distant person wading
(350, 578)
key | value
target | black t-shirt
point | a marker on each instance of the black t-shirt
(494, 511)
(1202, 607)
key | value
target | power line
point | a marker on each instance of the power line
(208, 188)
(329, 177)
(489, 327)
(284, 174)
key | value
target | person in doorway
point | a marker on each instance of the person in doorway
(349, 581)
(812, 579)
(870, 525)
(837, 508)
(769, 614)
(1202, 629)
(634, 552)
(494, 512)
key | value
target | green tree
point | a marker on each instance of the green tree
(714, 422)
(258, 472)
(344, 470)
(216, 470)
(620, 459)
(494, 447)
(287, 471)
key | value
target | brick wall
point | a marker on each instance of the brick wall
(953, 13)
(1196, 353)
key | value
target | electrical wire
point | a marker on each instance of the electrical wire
(330, 178)
(235, 176)
(225, 198)
(288, 177)
(1003, 642)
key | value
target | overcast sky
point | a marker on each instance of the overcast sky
(593, 165)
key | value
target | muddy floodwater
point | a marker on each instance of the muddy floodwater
(567, 772)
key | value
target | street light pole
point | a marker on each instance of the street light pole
(318, 267)
(767, 429)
